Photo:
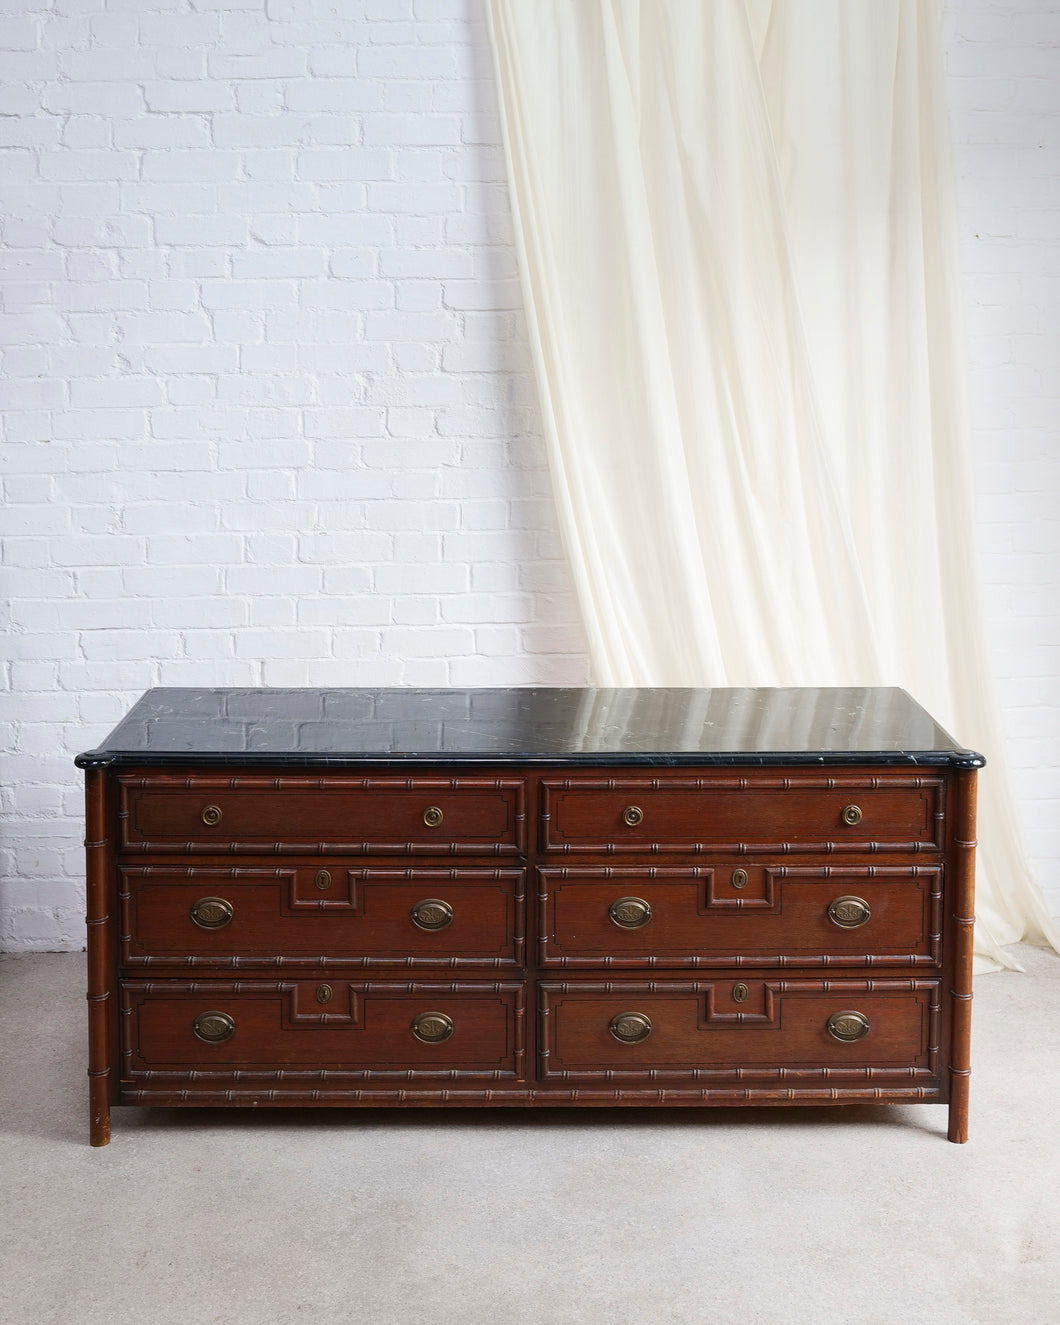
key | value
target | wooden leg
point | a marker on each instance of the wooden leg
(99, 1109)
(958, 1128)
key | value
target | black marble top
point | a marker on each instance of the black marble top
(663, 727)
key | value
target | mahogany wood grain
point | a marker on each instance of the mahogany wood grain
(164, 813)
(101, 993)
(281, 916)
(531, 991)
(801, 810)
(963, 921)
(698, 1031)
(281, 1031)
(779, 917)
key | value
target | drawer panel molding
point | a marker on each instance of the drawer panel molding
(279, 916)
(779, 1030)
(203, 813)
(800, 812)
(783, 915)
(280, 1033)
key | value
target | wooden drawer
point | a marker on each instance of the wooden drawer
(752, 1031)
(796, 811)
(167, 813)
(740, 914)
(277, 1032)
(305, 913)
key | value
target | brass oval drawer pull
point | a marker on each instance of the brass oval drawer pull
(849, 912)
(211, 815)
(212, 912)
(630, 912)
(848, 1025)
(213, 1027)
(630, 1027)
(632, 815)
(432, 914)
(432, 816)
(851, 814)
(432, 1027)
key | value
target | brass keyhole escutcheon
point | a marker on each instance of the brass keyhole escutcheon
(848, 1025)
(432, 1027)
(630, 1027)
(212, 912)
(632, 815)
(432, 914)
(630, 912)
(323, 880)
(849, 912)
(852, 814)
(324, 993)
(432, 816)
(739, 993)
(739, 878)
(213, 1027)
(211, 815)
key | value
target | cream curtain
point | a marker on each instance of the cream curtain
(736, 233)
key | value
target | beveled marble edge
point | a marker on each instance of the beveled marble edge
(104, 758)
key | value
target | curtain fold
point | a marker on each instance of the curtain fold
(737, 240)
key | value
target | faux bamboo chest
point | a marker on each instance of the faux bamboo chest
(529, 897)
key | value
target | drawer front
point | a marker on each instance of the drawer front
(796, 812)
(307, 913)
(349, 815)
(740, 914)
(752, 1031)
(279, 1032)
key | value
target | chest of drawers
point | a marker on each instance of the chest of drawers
(527, 898)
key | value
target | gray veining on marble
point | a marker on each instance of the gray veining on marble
(663, 727)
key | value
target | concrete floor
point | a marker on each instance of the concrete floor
(778, 1217)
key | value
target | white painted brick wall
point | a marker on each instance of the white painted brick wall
(268, 409)
(1003, 79)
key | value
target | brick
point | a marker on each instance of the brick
(269, 64)
(412, 130)
(196, 165)
(332, 89)
(200, 95)
(344, 164)
(117, 392)
(414, 198)
(258, 130)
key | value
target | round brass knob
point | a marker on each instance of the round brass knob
(848, 1025)
(432, 1027)
(212, 912)
(211, 815)
(630, 1027)
(851, 814)
(432, 913)
(849, 912)
(214, 1027)
(432, 816)
(739, 878)
(630, 912)
(632, 815)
